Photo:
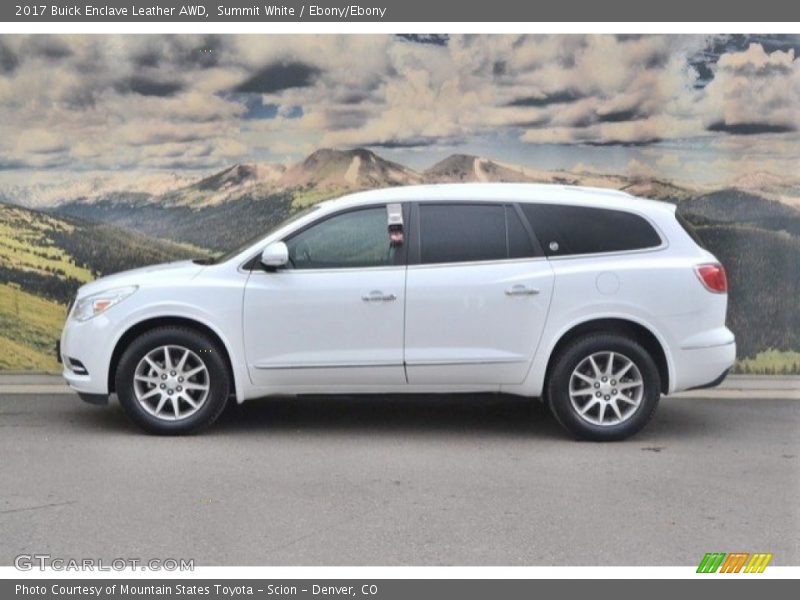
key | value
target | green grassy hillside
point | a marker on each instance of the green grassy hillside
(29, 327)
(218, 227)
(43, 260)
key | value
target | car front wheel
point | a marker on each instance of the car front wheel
(172, 380)
(603, 387)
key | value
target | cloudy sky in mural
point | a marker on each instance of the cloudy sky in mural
(695, 108)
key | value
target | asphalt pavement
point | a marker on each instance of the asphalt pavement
(421, 480)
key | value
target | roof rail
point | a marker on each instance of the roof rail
(600, 190)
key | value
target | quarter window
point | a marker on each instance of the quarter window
(358, 238)
(564, 229)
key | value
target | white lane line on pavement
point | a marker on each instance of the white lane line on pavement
(747, 394)
(35, 389)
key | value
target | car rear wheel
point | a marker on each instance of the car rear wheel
(172, 380)
(603, 387)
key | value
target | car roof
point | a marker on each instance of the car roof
(503, 192)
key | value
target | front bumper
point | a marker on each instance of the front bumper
(85, 350)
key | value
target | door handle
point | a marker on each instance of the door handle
(378, 296)
(521, 290)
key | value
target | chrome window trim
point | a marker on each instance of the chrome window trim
(499, 261)
(285, 272)
(664, 245)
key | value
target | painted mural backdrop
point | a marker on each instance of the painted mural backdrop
(119, 151)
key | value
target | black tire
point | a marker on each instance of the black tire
(558, 388)
(205, 350)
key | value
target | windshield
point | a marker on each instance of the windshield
(241, 247)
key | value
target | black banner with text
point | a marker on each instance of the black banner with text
(395, 11)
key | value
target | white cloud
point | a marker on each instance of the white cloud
(755, 88)
(109, 102)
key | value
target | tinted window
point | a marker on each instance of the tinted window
(462, 232)
(353, 239)
(472, 232)
(519, 240)
(563, 229)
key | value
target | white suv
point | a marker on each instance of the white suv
(595, 301)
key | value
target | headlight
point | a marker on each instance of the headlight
(93, 305)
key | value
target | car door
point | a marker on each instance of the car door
(334, 314)
(477, 294)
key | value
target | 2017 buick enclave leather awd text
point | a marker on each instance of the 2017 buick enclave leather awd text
(593, 300)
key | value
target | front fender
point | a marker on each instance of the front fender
(190, 313)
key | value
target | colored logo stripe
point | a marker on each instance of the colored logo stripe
(734, 562)
(711, 562)
(758, 562)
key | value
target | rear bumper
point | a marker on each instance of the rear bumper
(712, 384)
(703, 366)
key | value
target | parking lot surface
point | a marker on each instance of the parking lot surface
(422, 480)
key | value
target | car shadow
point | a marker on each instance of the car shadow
(466, 414)
(496, 415)
(408, 414)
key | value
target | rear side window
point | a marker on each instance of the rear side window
(451, 233)
(563, 229)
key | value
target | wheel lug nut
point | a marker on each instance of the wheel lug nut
(613, 382)
(163, 386)
(608, 397)
(172, 373)
(164, 376)
(179, 388)
(598, 394)
(169, 392)
(614, 392)
(596, 384)
(605, 378)
(180, 379)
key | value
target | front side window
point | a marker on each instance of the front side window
(358, 238)
(566, 229)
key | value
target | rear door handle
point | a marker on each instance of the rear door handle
(521, 290)
(378, 296)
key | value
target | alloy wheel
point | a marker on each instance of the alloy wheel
(606, 388)
(171, 382)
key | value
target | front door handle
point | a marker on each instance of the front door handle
(378, 296)
(521, 290)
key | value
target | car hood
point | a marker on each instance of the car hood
(174, 272)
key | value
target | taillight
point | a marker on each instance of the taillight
(713, 277)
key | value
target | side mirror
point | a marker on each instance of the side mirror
(275, 255)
